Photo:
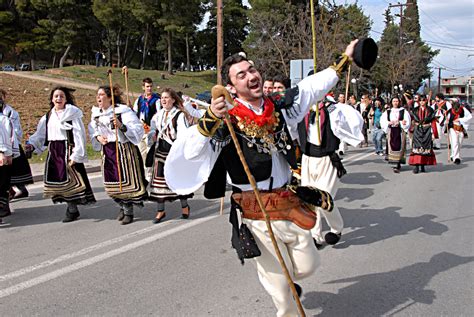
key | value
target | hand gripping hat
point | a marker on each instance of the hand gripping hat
(365, 53)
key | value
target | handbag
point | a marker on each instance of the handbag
(248, 247)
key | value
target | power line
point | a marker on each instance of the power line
(442, 26)
(450, 44)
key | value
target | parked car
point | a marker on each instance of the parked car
(42, 67)
(24, 67)
(8, 68)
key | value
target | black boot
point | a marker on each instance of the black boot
(415, 170)
(423, 169)
(71, 216)
(127, 219)
(120, 215)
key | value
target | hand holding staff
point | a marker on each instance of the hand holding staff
(109, 73)
(224, 100)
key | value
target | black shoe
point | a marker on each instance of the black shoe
(5, 210)
(299, 290)
(457, 161)
(22, 194)
(423, 169)
(415, 170)
(318, 246)
(120, 215)
(158, 220)
(127, 219)
(332, 238)
(71, 216)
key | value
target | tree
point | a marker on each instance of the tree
(235, 26)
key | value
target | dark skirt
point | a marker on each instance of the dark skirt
(21, 171)
(64, 183)
(132, 185)
(159, 190)
(422, 152)
(5, 172)
(396, 141)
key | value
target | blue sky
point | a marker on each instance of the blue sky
(445, 25)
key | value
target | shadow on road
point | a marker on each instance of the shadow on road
(373, 225)
(106, 210)
(389, 292)
(363, 178)
(352, 194)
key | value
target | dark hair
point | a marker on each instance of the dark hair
(228, 62)
(282, 79)
(268, 79)
(147, 80)
(67, 92)
(396, 97)
(440, 95)
(117, 93)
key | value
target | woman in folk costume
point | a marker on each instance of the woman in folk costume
(457, 120)
(62, 132)
(8, 149)
(422, 147)
(167, 124)
(395, 122)
(21, 171)
(124, 180)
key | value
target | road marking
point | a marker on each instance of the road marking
(95, 247)
(99, 258)
(359, 158)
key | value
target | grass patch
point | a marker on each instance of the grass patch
(189, 83)
(91, 155)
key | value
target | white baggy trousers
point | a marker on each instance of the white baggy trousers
(320, 173)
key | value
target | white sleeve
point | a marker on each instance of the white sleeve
(135, 105)
(38, 138)
(15, 118)
(196, 113)
(190, 162)
(6, 146)
(407, 118)
(79, 154)
(182, 125)
(310, 90)
(465, 120)
(135, 129)
(93, 133)
(346, 124)
(153, 129)
(384, 121)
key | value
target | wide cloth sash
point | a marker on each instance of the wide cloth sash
(280, 204)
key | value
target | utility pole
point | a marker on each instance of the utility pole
(400, 33)
(439, 77)
(220, 41)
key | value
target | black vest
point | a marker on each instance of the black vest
(329, 142)
(260, 164)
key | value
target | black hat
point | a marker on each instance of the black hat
(365, 53)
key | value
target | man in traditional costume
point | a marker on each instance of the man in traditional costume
(457, 121)
(123, 172)
(395, 122)
(321, 166)
(62, 133)
(21, 171)
(146, 107)
(423, 120)
(206, 154)
(7, 151)
(440, 107)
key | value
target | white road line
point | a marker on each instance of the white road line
(355, 157)
(92, 248)
(358, 158)
(99, 258)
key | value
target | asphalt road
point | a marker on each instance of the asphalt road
(407, 250)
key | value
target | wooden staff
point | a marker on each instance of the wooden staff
(348, 79)
(109, 72)
(125, 75)
(313, 31)
(218, 91)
